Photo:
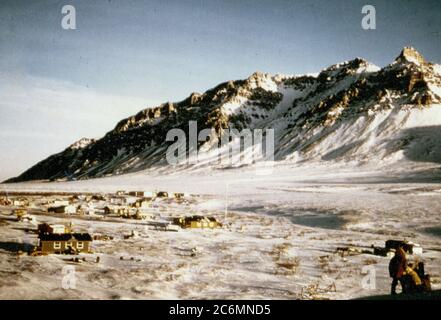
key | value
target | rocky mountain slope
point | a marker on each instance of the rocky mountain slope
(352, 111)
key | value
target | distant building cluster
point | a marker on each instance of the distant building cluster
(60, 238)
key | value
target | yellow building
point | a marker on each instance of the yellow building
(197, 222)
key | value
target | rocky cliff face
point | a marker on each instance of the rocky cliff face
(347, 112)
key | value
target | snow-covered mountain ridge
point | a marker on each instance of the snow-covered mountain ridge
(351, 112)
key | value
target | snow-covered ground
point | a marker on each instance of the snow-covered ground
(279, 240)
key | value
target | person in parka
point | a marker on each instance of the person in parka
(397, 267)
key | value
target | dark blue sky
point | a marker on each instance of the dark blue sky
(126, 55)
(166, 49)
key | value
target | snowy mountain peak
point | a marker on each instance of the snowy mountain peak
(81, 144)
(355, 67)
(350, 111)
(260, 79)
(411, 55)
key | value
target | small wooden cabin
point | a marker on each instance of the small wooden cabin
(179, 195)
(120, 211)
(20, 203)
(162, 194)
(137, 193)
(197, 222)
(142, 215)
(142, 203)
(53, 228)
(63, 209)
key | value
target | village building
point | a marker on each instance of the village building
(146, 194)
(108, 210)
(149, 194)
(102, 237)
(20, 203)
(120, 193)
(119, 211)
(63, 209)
(118, 200)
(137, 193)
(165, 226)
(143, 215)
(65, 243)
(81, 197)
(124, 212)
(197, 222)
(130, 200)
(58, 238)
(179, 195)
(142, 203)
(22, 215)
(162, 194)
(74, 198)
(98, 197)
(88, 209)
(54, 228)
(60, 203)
